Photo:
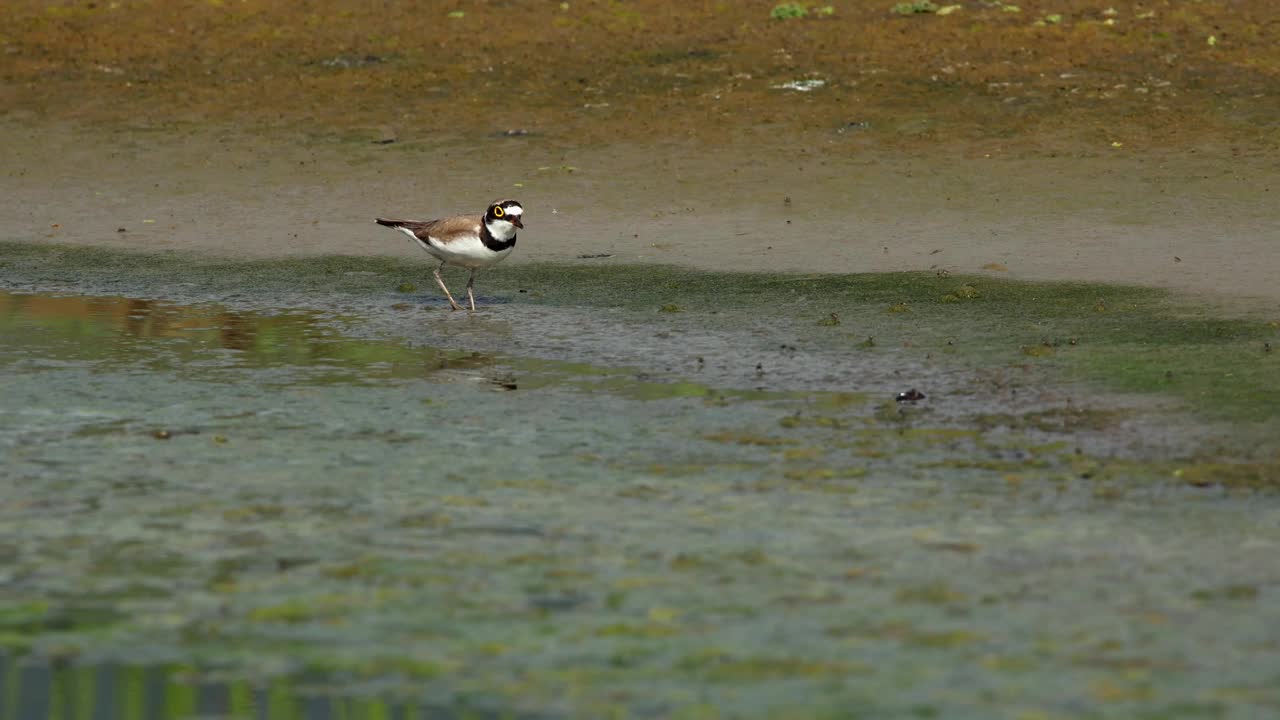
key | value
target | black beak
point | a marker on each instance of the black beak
(516, 221)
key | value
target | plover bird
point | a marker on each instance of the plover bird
(469, 241)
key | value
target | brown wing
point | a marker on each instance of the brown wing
(444, 230)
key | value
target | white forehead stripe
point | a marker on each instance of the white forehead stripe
(515, 210)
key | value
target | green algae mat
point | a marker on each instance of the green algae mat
(306, 489)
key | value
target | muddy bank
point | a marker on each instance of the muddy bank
(1127, 145)
(1073, 72)
(1201, 222)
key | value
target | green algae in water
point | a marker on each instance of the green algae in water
(523, 547)
(38, 689)
(1146, 340)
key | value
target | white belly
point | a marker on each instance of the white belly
(465, 251)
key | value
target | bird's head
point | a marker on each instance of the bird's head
(503, 217)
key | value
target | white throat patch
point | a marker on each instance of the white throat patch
(501, 229)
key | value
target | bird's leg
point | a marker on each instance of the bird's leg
(440, 282)
(471, 281)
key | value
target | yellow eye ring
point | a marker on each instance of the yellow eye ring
(497, 211)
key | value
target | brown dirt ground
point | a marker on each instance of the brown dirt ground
(1138, 73)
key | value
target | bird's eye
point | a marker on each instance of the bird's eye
(497, 211)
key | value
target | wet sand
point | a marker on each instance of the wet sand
(1202, 221)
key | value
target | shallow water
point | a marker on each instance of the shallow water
(621, 517)
(117, 692)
